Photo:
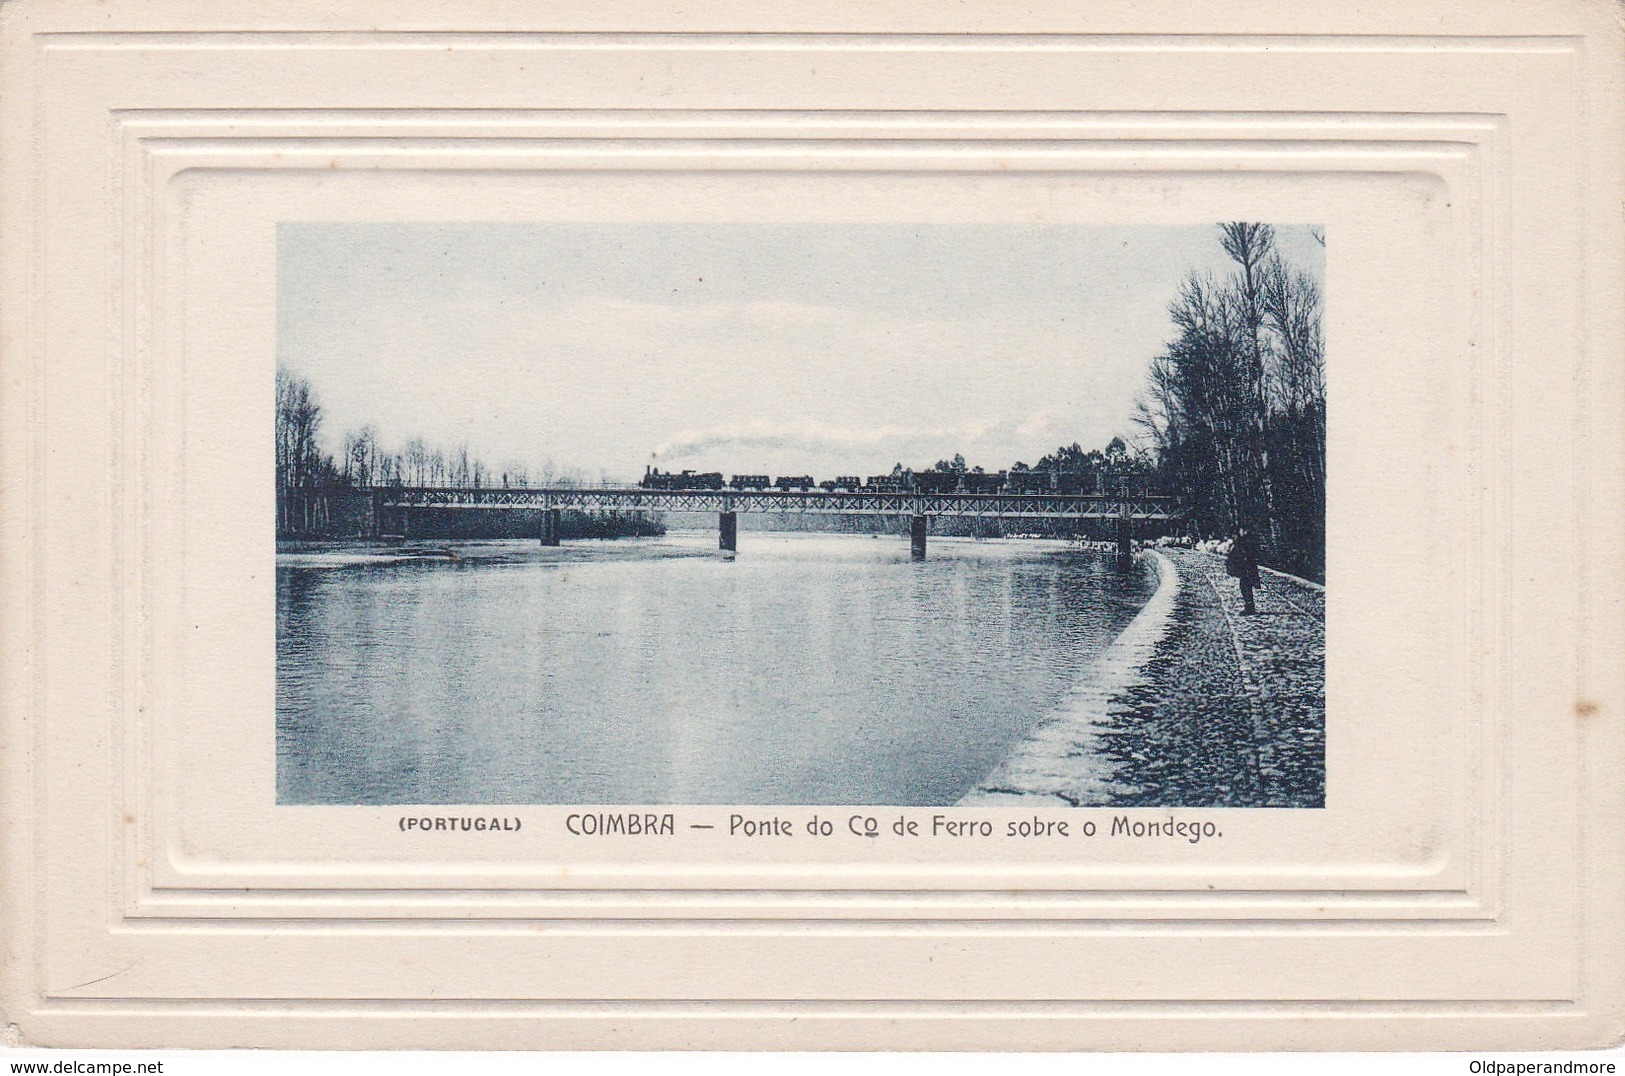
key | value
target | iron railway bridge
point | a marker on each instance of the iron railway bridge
(394, 505)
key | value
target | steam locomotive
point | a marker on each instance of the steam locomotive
(654, 479)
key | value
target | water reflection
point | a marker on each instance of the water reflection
(812, 669)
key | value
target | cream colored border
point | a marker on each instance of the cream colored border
(1461, 887)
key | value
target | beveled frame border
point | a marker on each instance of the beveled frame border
(155, 148)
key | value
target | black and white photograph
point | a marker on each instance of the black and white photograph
(1026, 514)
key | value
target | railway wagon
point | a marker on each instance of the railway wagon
(1066, 483)
(1071, 483)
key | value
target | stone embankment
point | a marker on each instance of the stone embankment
(1204, 708)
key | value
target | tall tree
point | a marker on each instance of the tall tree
(1233, 408)
(301, 466)
(1250, 246)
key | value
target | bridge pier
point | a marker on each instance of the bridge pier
(728, 531)
(1125, 541)
(550, 526)
(916, 536)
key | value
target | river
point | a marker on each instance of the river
(811, 669)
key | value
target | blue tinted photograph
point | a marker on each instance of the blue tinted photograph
(1026, 515)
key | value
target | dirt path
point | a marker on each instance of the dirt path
(1232, 712)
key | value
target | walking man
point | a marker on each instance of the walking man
(1242, 562)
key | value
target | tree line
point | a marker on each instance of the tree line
(1233, 412)
(1234, 407)
(320, 495)
(1097, 466)
(306, 477)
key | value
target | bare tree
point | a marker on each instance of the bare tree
(1234, 406)
(1250, 246)
(1291, 301)
(360, 456)
(301, 466)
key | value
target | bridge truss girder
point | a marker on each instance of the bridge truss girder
(788, 502)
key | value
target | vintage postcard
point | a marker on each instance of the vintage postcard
(834, 529)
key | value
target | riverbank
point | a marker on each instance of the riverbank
(1226, 711)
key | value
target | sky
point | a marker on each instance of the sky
(823, 349)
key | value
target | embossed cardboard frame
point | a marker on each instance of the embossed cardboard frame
(148, 900)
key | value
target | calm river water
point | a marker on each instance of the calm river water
(811, 669)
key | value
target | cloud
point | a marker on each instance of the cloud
(1048, 422)
(813, 436)
(716, 383)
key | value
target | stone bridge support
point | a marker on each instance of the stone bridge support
(728, 531)
(550, 526)
(917, 527)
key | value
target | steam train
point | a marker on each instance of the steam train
(1071, 483)
(654, 479)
